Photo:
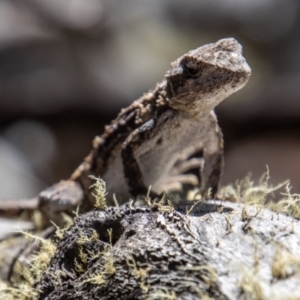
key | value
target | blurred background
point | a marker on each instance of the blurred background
(67, 67)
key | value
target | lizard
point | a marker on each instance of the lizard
(168, 139)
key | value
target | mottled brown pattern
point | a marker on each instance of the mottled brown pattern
(169, 138)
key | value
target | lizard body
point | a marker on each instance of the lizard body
(169, 138)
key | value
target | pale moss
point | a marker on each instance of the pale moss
(188, 211)
(285, 264)
(162, 205)
(79, 268)
(108, 266)
(162, 294)
(246, 191)
(42, 259)
(289, 205)
(106, 269)
(209, 279)
(85, 255)
(97, 279)
(68, 222)
(137, 272)
(109, 231)
(23, 290)
(99, 192)
(250, 285)
(38, 220)
(115, 200)
(84, 238)
(76, 212)
(190, 284)
(261, 195)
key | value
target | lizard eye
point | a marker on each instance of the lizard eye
(192, 72)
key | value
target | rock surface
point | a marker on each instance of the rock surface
(218, 251)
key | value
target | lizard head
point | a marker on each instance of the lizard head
(202, 78)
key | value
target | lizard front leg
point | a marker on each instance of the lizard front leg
(213, 154)
(200, 169)
(132, 171)
(186, 173)
(212, 172)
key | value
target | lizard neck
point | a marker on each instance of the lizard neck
(196, 107)
(160, 95)
(150, 105)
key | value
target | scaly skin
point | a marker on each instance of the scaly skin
(169, 138)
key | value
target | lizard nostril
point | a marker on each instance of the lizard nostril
(159, 141)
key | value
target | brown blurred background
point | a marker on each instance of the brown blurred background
(68, 66)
